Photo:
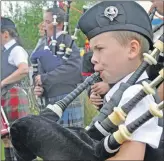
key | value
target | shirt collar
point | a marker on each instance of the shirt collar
(124, 80)
(9, 44)
(57, 34)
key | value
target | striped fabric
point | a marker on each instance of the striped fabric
(73, 116)
(15, 104)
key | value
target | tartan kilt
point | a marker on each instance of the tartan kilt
(73, 115)
(15, 104)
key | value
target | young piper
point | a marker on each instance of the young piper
(119, 33)
(118, 39)
(14, 65)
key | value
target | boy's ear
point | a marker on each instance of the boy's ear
(134, 49)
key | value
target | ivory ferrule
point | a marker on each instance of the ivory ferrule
(155, 111)
(155, 53)
(62, 46)
(149, 88)
(122, 134)
(65, 24)
(74, 37)
(117, 116)
(54, 42)
(68, 50)
(149, 59)
(159, 45)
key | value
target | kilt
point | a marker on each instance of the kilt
(15, 104)
(73, 116)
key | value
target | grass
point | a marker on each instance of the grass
(2, 152)
(89, 113)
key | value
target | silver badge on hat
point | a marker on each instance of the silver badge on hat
(111, 12)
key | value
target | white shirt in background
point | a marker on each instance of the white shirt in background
(17, 55)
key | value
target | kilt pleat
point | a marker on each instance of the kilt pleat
(15, 104)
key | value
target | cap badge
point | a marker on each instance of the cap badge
(111, 12)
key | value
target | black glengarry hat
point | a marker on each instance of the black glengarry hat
(116, 16)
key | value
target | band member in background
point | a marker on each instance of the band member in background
(14, 68)
(58, 83)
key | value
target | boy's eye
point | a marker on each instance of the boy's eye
(99, 48)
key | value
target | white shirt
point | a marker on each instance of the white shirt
(57, 35)
(149, 132)
(17, 55)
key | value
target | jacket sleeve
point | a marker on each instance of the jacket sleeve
(70, 71)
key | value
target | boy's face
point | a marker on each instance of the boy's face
(109, 57)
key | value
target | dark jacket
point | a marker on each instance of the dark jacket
(66, 77)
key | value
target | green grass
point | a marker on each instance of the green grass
(2, 152)
(89, 113)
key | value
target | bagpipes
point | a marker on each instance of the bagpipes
(52, 59)
(103, 139)
(76, 143)
(106, 133)
(48, 58)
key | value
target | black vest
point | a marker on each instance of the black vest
(7, 68)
